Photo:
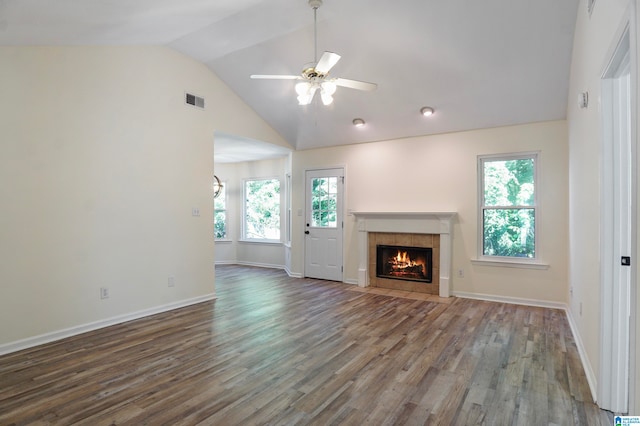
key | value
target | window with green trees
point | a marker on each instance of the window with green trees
(262, 209)
(220, 214)
(508, 194)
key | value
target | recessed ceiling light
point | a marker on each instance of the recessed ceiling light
(358, 122)
(426, 111)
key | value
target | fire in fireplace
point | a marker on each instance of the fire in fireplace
(404, 263)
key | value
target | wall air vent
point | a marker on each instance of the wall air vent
(194, 100)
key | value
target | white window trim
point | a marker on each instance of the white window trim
(506, 261)
(243, 223)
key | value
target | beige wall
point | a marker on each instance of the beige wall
(100, 165)
(439, 173)
(594, 40)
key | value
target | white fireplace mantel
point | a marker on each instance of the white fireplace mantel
(406, 222)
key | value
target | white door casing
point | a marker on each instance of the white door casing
(617, 228)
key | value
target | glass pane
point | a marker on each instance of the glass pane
(220, 225)
(220, 201)
(509, 232)
(333, 185)
(262, 209)
(315, 219)
(509, 183)
(324, 218)
(331, 220)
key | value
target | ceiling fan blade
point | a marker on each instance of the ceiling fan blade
(355, 84)
(277, 77)
(326, 62)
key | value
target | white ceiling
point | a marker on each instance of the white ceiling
(233, 149)
(478, 63)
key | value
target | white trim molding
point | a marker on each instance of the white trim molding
(73, 331)
(508, 263)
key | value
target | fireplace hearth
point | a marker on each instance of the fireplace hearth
(404, 263)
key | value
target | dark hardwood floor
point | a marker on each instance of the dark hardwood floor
(281, 351)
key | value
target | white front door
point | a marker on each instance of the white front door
(324, 223)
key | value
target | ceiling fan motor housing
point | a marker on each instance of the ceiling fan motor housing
(315, 3)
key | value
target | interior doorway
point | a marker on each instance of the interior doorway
(324, 195)
(618, 228)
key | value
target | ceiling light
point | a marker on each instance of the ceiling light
(327, 89)
(358, 122)
(426, 111)
(305, 91)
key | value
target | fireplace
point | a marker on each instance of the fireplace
(410, 229)
(404, 263)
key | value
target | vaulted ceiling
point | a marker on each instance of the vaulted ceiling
(479, 64)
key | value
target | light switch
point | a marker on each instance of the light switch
(195, 211)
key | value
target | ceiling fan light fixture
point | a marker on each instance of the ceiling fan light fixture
(303, 88)
(328, 87)
(426, 111)
(327, 99)
(305, 91)
(358, 122)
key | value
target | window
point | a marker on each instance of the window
(508, 206)
(220, 214)
(262, 210)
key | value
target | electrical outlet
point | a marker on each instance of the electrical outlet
(104, 293)
(171, 281)
(460, 273)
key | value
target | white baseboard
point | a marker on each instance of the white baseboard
(512, 300)
(30, 342)
(588, 370)
(260, 265)
(351, 281)
(586, 365)
(292, 274)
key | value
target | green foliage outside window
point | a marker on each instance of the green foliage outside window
(508, 212)
(220, 215)
(324, 202)
(262, 209)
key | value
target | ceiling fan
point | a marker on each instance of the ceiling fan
(317, 76)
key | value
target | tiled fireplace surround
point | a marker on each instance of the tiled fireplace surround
(419, 229)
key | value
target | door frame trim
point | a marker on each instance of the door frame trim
(616, 389)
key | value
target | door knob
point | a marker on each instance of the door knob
(306, 232)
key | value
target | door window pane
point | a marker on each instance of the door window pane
(324, 196)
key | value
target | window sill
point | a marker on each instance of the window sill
(261, 242)
(508, 263)
(222, 240)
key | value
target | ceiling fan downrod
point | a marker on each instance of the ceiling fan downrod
(315, 4)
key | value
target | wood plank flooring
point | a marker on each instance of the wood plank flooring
(281, 351)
